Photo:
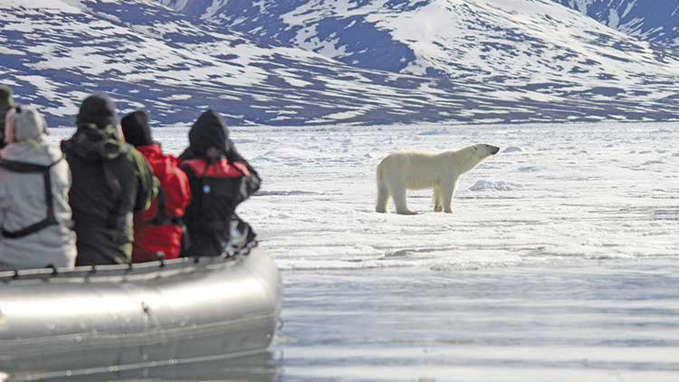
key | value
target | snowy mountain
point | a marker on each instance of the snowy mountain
(328, 62)
(650, 20)
(457, 38)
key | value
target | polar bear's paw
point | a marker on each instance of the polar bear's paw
(406, 212)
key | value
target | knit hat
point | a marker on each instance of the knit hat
(208, 131)
(98, 109)
(24, 123)
(136, 129)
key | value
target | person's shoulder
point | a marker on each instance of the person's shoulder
(54, 153)
(194, 165)
(220, 169)
(133, 157)
(128, 151)
(66, 146)
(169, 159)
(166, 165)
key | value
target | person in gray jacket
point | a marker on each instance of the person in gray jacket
(35, 217)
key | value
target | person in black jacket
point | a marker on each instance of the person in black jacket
(220, 179)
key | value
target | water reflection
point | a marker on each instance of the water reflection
(257, 368)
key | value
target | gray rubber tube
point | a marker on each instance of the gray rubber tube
(115, 316)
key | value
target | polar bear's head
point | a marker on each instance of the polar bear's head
(467, 158)
(483, 150)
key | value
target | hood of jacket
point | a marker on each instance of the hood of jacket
(25, 134)
(97, 109)
(92, 143)
(136, 129)
(24, 124)
(208, 131)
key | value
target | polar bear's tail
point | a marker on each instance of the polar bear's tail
(382, 192)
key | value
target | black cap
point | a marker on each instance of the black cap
(98, 109)
(136, 129)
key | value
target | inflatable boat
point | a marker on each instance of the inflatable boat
(58, 322)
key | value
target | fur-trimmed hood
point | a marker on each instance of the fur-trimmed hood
(25, 134)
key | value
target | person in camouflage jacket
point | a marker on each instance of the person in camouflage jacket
(111, 181)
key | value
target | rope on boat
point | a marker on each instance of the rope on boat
(51, 271)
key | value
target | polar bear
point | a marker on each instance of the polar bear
(414, 170)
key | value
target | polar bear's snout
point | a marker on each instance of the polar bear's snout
(492, 149)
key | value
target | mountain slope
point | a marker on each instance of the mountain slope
(531, 44)
(492, 64)
(456, 38)
(650, 20)
(54, 53)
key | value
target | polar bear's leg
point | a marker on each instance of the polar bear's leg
(398, 194)
(399, 197)
(438, 204)
(382, 197)
(448, 192)
(382, 191)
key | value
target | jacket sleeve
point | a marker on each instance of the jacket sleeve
(4, 203)
(3, 114)
(177, 189)
(249, 183)
(147, 184)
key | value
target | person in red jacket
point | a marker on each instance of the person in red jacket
(157, 230)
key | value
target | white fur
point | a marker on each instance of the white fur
(412, 170)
